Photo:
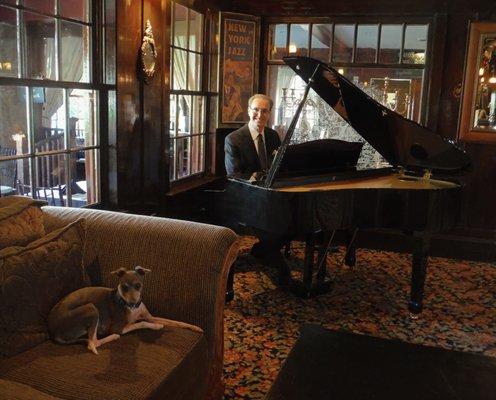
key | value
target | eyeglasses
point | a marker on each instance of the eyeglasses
(259, 110)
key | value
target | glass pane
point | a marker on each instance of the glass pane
(13, 120)
(298, 39)
(49, 119)
(194, 75)
(74, 52)
(13, 2)
(82, 118)
(172, 115)
(366, 47)
(50, 180)
(396, 88)
(415, 44)
(285, 91)
(8, 42)
(278, 37)
(197, 152)
(195, 31)
(182, 160)
(180, 26)
(40, 46)
(198, 115)
(84, 175)
(214, 57)
(75, 9)
(391, 39)
(110, 40)
(179, 69)
(344, 38)
(212, 113)
(14, 177)
(46, 6)
(321, 41)
(184, 113)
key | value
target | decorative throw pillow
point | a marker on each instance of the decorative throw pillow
(21, 221)
(32, 280)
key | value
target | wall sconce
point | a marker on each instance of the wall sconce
(341, 71)
(292, 48)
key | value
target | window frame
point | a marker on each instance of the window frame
(96, 23)
(203, 93)
(435, 41)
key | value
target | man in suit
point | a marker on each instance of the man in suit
(251, 149)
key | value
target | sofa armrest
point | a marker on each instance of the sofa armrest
(189, 262)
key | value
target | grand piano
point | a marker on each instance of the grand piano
(289, 200)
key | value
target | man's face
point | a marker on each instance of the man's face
(259, 113)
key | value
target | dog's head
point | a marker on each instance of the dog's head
(131, 284)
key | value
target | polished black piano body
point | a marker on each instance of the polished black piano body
(404, 197)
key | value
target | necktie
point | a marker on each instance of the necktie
(262, 153)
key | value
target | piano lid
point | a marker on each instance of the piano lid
(400, 141)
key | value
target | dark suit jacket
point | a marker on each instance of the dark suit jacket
(241, 156)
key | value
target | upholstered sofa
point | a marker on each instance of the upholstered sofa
(189, 263)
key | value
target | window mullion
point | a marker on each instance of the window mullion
(68, 154)
(31, 147)
(57, 40)
(187, 51)
(191, 131)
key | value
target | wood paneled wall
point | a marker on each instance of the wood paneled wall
(141, 108)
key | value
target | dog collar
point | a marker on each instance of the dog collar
(123, 303)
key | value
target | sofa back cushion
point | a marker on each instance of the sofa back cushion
(21, 221)
(32, 280)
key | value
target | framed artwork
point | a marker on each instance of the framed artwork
(239, 66)
(478, 116)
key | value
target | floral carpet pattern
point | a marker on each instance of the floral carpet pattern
(262, 322)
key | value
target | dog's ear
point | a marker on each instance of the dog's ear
(142, 271)
(119, 272)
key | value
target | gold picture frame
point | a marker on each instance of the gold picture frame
(478, 108)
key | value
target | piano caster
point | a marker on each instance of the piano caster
(415, 310)
(350, 260)
(229, 296)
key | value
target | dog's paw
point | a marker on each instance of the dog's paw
(193, 328)
(92, 348)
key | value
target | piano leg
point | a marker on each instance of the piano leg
(350, 256)
(308, 267)
(419, 269)
(230, 284)
(307, 288)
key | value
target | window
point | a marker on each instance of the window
(50, 96)
(387, 61)
(187, 99)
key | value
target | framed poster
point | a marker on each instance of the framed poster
(478, 116)
(239, 66)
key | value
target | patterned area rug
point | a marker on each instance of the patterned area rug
(262, 322)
